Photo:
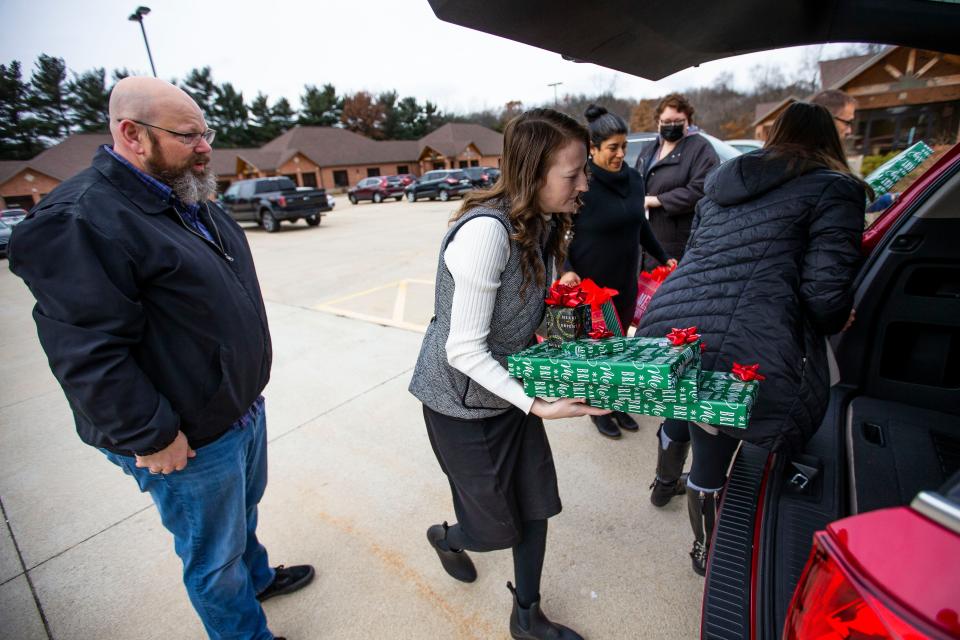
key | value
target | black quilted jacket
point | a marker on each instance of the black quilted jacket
(767, 274)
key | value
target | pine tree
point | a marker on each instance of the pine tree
(48, 97)
(200, 86)
(320, 107)
(230, 117)
(283, 115)
(89, 101)
(18, 136)
(262, 128)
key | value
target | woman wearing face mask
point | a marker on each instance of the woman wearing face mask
(674, 167)
(496, 264)
(609, 231)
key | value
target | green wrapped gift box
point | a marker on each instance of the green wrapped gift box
(725, 400)
(886, 176)
(589, 348)
(652, 363)
(686, 391)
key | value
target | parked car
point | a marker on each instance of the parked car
(331, 201)
(13, 217)
(441, 183)
(745, 145)
(636, 141)
(268, 201)
(377, 189)
(5, 231)
(858, 535)
(482, 177)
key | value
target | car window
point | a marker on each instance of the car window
(458, 175)
(232, 191)
(245, 190)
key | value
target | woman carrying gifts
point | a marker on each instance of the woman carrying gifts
(610, 230)
(767, 273)
(495, 266)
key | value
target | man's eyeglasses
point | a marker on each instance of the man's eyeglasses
(849, 123)
(667, 123)
(189, 139)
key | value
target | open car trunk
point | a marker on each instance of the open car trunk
(656, 38)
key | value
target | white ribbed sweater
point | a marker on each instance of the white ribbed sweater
(475, 258)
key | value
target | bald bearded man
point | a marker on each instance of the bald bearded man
(150, 313)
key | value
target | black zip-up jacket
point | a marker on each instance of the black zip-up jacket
(149, 327)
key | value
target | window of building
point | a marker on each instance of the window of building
(292, 176)
(340, 179)
(310, 180)
(474, 163)
(463, 164)
(439, 165)
(402, 168)
(373, 172)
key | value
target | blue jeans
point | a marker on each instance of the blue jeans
(211, 509)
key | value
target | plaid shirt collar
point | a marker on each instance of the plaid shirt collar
(160, 189)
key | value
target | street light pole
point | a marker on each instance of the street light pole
(556, 102)
(137, 16)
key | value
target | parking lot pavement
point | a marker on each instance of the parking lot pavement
(353, 482)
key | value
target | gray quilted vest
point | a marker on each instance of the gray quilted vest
(515, 319)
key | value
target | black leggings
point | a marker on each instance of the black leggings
(711, 453)
(527, 558)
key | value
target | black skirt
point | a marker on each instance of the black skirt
(501, 474)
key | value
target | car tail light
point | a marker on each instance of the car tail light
(451, 181)
(833, 603)
(282, 201)
(484, 176)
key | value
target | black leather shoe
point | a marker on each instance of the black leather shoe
(287, 580)
(606, 426)
(457, 563)
(532, 624)
(625, 420)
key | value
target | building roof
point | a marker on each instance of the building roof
(10, 168)
(452, 138)
(833, 70)
(71, 156)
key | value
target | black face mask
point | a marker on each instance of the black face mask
(671, 132)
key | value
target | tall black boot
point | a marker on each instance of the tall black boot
(670, 479)
(702, 507)
(532, 624)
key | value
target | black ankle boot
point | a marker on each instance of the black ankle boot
(626, 421)
(669, 481)
(457, 563)
(702, 508)
(606, 426)
(531, 624)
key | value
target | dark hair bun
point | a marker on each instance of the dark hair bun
(593, 112)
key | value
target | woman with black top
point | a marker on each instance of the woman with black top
(496, 265)
(674, 168)
(610, 230)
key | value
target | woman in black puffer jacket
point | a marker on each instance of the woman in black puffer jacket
(767, 274)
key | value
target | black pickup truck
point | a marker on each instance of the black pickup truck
(267, 201)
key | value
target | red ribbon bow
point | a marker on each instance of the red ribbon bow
(747, 372)
(562, 295)
(600, 333)
(658, 274)
(680, 337)
(596, 295)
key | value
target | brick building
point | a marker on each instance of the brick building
(326, 157)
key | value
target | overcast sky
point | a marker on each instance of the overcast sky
(277, 47)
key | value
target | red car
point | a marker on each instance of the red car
(377, 189)
(857, 536)
(406, 178)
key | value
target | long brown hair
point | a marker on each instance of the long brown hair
(529, 143)
(805, 133)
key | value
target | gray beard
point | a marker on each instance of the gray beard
(191, 188)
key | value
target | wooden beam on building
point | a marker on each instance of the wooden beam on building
(934, 60)
(911, 61)
(892, 70)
